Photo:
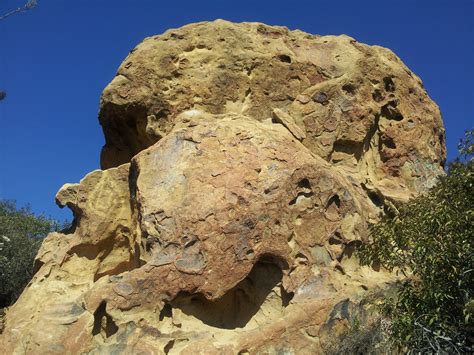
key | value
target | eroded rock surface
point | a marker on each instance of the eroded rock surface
(359, 106)
(244, 163)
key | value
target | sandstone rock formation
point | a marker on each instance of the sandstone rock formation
(242, 166)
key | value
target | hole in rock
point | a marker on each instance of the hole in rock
(388, 83)
(376, 199)
(391, 112)
(166, 312)
(176, 35)
(349, 88)
(335, 239)
(377, 95)
(286, 297)
(441, 138)
(261, 288)
(306, 193)
(304, 183)
(103, 322)
(249, 223)
(284, 58)
(168, 346)
(250, 69)
(388, 142)
(334, 200)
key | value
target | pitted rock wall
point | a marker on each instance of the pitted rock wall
(243, 165)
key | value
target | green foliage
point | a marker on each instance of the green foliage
(466, 146)
(430, 239)
(369, 338)
(21, 234)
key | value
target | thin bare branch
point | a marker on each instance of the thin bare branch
(28, 6)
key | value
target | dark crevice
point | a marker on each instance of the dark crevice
(388, 83)
(349, 88)
(374, 196)
(286, 297)
(284, 58)
(250, 69)
(335, 239)
(387, 141)
(305, 184)
(370, 134)
(103, 322)
(334, 200)
(125, 126)
(383, 153)
(306, 192)
(391, 112)
(168, 346)
(377, 95)
(166, 312)
(441, 138)
(132, 183)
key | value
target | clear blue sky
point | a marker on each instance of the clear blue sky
(56, 59)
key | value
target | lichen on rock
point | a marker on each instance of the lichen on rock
(243, 164)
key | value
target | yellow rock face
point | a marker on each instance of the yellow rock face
(244, 163)
(357, 106)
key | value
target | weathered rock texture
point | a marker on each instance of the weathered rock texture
(244, 163)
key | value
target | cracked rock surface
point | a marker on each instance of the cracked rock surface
(243, 164)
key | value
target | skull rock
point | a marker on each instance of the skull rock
(244, 163)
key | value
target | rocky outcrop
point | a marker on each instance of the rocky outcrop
(242, 166)
(360, 107)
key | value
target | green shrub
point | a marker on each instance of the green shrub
(21, 234)
(430, 240)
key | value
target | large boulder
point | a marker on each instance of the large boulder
(358, 106)
(243, 165)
